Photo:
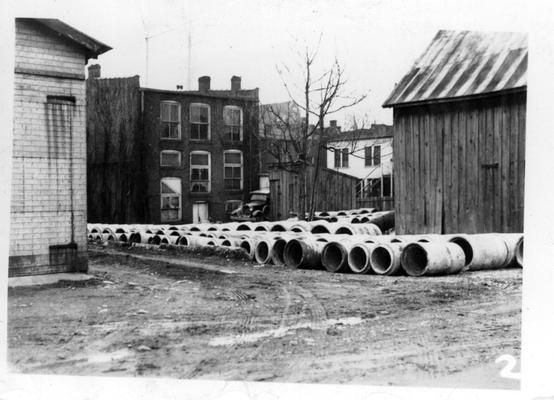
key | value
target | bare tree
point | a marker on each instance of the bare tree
(297, 135)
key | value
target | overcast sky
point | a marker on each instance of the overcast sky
(375, 40)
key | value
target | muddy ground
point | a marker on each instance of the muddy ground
(145, 314)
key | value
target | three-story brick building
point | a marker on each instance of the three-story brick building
(181, 156)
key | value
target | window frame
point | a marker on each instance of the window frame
(199, 166)
(241, 123)
(344, 156)
(162, 122)
(368, 156)
(172, 152)
(209, 123)
(225, 165)
(163, 195)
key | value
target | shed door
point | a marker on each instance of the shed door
(200, 212)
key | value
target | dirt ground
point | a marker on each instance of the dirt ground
(183, 316)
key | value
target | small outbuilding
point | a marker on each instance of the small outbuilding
(48, 199)
(459, 135)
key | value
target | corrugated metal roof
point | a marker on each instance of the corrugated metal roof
(464, 63)
(94, 47)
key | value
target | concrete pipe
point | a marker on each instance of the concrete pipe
(249, 247)
(384, 258)
(320, 226)
(262, 253)
(278, 249)
(432, 238)
(139, 237)
(433, 258)
(482, 251)
(262, 227)
(244, 226)
(519, 252)
(121, 237)
(511, 240)
(303, 253)
(358, 257)
(156, 239)
(301, 227)
(334, 255)
(367, 210)
(384, 220)
(229, 226)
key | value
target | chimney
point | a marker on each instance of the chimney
(235, 83)
(94, 71)
(333, 123)
(204, 83)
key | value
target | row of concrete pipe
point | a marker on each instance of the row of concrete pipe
(359, 249)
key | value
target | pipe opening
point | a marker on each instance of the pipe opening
(466, 247)
(226, 243)
(262, 252)
(246, 246)
(414, 259)
(277, 228)
(333, 257)
(279, 251)
(183, 241)
(320, 229)
(396, 240)
(381, 259)
(261, 228)
(294, 253)
(357, 259)
(243, 227)
(519, 252)
(344, 230)
(156, 239)
(165, 241)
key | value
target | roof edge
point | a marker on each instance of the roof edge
(459, 98)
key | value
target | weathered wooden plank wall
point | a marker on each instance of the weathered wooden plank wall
(115, 177)
(459, 167)
(334, 191)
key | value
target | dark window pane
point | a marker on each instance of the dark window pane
(376, 155)
(367, 156)
(228, 172)
(232, 158)
(204, 174)
(345, 157)
(199, 159)
(195, 174)
(337, 158)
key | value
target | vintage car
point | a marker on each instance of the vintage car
(257, 208)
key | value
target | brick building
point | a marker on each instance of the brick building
(169, 156)
(48, 203)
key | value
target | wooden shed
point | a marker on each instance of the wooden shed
(459, 135)
(334, 191)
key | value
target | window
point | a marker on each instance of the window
(376, 155)
(199, 172)
(170, 199)
(367, 156)
(171, 117)
(387, 186)
(232, 118)
(170, 158)
(199, 121)
(232, 169)
(372, 155)
(345, 157)
(373, 187)
(337, 158)
(341, 157)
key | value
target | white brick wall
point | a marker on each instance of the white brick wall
(49, 152)
(36, 50)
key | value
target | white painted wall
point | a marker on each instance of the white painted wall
(356, 160)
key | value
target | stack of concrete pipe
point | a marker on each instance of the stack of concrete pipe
(334, 246)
